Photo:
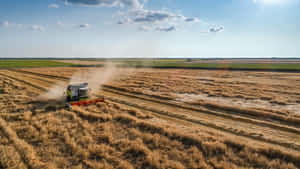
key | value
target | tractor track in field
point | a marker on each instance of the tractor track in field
(224, 113)
(195, 116)
(83, 118)
(221, 80)
(261, 119)
(40, 74)
(211, 121)
(27, 153)
(29, 156)
(23, 81)
(216, 111)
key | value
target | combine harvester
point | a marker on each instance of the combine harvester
(78, 95)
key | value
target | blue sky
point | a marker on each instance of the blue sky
(149, 28)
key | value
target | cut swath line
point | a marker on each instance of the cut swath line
(89, 115)
(90, 148)
(236, 132)
(204, 123)
(24, 149)
(25, 82)
(220, 114)
(160, 101)
(6, 160)
(39, 74)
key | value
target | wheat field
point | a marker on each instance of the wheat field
(151, 118)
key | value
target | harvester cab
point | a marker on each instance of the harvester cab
(78, 95)
(77, 92)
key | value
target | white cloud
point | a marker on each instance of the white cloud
(145, 28)
(53, 6)
(157, 20)
(131, 3)
(37, 28)
(17, 26)
(60, 23)
(13, 25)
(150, 16)
(4, 24)
(111, 3)
(83, 26)
(192, 19)
(70, 25)
(216, 29)
(145, 19)
(269, 1)
(153, 16)
(166, 29)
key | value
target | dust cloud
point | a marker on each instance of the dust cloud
(56, 93)
(95, 77)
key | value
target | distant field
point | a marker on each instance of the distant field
(229, 66)
(225, 64)
(18, 63)
(134, 60)
(123, 62)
